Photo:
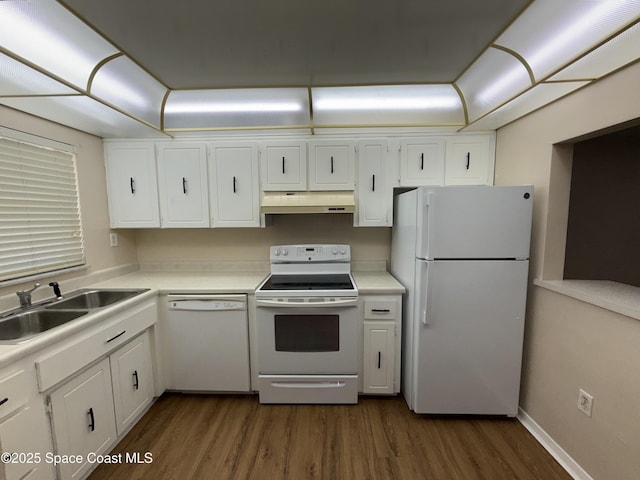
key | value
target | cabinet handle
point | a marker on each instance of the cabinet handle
(422, 161)
(184, 185)
(332, 165)
(135, 380)
(379, 360)
(132, 184)
(234, 184)
(116, 336)
(4, 400)
(380, 310)
(373, 183)
(92, 420)
(468, 159)
(283, 165)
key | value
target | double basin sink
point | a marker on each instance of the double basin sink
(23, 325)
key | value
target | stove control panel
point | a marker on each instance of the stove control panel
(310, 253)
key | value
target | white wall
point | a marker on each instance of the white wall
(570, 344)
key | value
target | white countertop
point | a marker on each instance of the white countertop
(369, 282)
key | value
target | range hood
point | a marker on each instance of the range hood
(308, 202)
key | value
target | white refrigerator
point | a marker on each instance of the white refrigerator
(462, 252)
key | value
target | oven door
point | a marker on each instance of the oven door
(309, 337)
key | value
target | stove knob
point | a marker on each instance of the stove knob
(334, 251)
(276, 252)
(343, 251)
(285, 252)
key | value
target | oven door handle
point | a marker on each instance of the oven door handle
(343, 302)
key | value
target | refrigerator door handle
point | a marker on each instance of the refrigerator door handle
(426, 281)
(427, 237)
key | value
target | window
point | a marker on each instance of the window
(40, 229)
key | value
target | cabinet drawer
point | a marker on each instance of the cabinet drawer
(84, 348)
(380, 309)
(14, 392)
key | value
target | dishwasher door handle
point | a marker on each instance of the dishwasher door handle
(207, 304)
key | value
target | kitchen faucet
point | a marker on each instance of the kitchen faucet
(25, 296)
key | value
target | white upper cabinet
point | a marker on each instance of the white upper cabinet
(422, 162)
(469, 160)
(132, 185)
(183, 185)
(234, 191)
(331, 165)
(374, 196)
(284, 166)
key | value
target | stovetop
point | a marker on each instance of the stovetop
(341, 281)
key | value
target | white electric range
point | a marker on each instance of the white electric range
(307, 326)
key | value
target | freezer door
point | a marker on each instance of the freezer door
(487, 222)
(468, 332)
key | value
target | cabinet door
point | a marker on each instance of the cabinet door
(422, 162)
(132, 378)
(469, 161)
(331, 165)
(375, 200)
(234, 196)
(26, 432)
(83, 419)
(183, 185)
(132, 185)
(284, 166)
(379, 356)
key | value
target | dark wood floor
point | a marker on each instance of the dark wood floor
(234, 437)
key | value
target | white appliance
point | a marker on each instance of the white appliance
(307, 326)
(462, 254)
(208, 343)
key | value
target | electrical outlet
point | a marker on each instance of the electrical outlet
(113, 239)
(585, 402)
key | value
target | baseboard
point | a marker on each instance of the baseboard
(550, 445)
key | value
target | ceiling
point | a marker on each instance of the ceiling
(241, 43)
(125, 69)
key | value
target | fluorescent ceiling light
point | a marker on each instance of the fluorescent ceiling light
(232, 107)
(46, 34)
(385, 98)
(395, 103)
(572, 33)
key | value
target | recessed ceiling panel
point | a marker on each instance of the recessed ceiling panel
(18, 79)
(46, 34)
(240, 43)
(125, 85)
(551, 34)
(84, 114)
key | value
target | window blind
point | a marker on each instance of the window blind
(40, 229)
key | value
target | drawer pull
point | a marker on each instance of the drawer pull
(4, 400)
(92, 420)
(379, 360)
(135, 380)
(116, 336)
(380, 310)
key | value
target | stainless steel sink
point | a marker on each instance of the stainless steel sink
(92, 299)
(22, 326)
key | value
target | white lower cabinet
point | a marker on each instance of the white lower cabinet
(379, 357)
(91, 410)
(132, 378)
(24, 427)
(381, 344)
(83, 418)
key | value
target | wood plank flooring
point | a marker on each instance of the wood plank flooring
(234, 437)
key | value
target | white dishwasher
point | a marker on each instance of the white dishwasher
(208, 342)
